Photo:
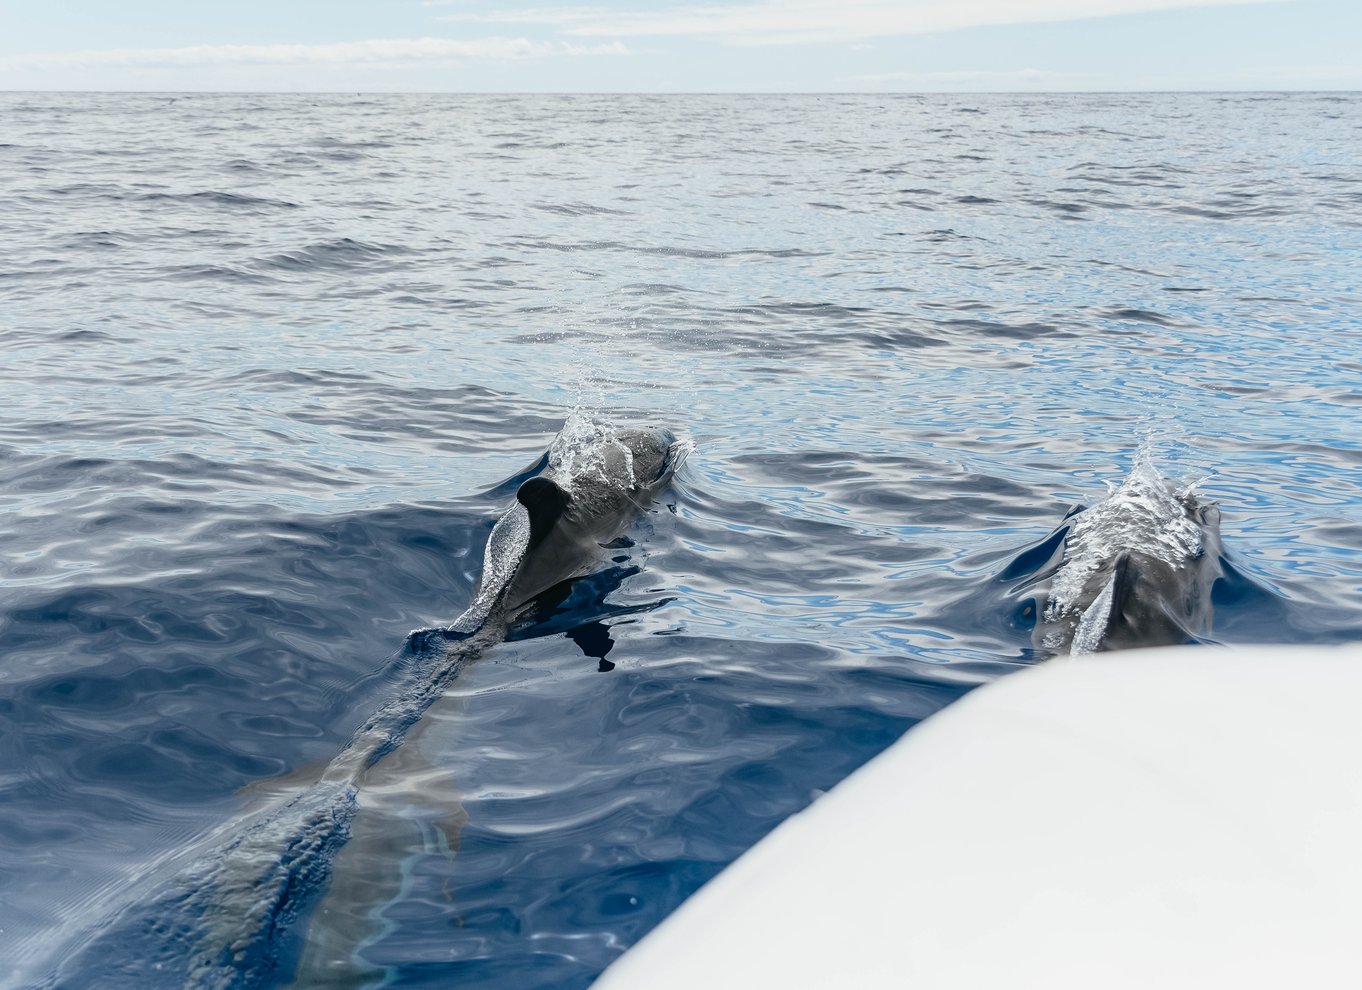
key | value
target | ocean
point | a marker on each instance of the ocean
(269, 362)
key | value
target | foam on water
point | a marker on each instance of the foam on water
(505, 549)
(1093, 623)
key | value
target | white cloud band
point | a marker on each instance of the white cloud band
(775, 22)
(383, 51)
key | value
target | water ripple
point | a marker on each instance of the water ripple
(270, 360)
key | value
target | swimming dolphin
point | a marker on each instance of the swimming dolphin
(562, 519)
(228, 911)
(1137, 570)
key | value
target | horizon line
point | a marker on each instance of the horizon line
(679, 92)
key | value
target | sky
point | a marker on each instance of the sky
(681, 46)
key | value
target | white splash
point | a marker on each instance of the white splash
(505, 549)
(1145, 515)
(1093, 623)
(587, 449)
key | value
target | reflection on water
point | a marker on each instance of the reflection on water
(268, 357)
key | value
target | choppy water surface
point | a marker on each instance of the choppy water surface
(267, 358)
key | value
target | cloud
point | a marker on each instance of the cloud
(1321, 77)
(974, 79)
(382, 51)
(1330, 75)
(787, 22)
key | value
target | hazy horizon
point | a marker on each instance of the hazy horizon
(757, 47)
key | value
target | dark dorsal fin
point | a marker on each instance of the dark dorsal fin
(545, 502)
(1123, 578)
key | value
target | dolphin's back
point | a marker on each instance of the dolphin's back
(586, 497)
(1138, 570)
(1149, 603)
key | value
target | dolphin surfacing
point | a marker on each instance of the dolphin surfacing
(228, 911)
(1138, 569)
(562, 519)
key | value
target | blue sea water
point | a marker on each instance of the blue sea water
(267, 361)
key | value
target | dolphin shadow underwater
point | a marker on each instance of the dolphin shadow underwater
(1140, 568)
(228, 911)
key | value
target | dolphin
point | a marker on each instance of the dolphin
(564, 518)
(1137, 569)
(228, 911)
